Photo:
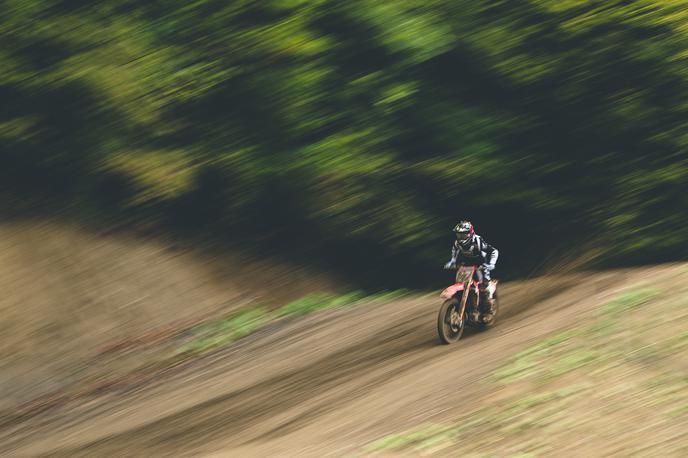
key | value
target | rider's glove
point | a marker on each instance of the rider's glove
(450, 265)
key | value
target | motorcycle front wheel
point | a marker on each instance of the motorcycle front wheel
(449, 324)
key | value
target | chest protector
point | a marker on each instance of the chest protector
(472, 254)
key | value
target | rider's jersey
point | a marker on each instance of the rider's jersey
(477, 253)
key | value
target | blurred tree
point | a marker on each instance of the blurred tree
(356, 132)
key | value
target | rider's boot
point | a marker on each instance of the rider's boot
(487, 302)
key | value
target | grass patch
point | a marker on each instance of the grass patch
(529, 402)
(224, 331)
(319, 301)
(602, 328)
(530, 361)
(426, 437)
(214, 334)
(629, 301)
(388, 296)
(678, 412)
(574, 360)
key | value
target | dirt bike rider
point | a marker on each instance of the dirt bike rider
(470, 249)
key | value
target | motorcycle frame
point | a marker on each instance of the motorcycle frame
(458, 287)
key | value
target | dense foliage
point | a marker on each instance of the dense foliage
(356, 133)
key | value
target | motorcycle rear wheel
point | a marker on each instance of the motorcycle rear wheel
(449, 326)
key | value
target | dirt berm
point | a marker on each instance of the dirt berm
(328, 384)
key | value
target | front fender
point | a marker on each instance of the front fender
(452, 290)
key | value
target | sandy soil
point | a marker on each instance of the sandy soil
(324, 385)
(68, 292)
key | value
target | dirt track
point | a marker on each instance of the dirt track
(327, 384)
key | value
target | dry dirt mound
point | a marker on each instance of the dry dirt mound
(327, 384)
(68, 293)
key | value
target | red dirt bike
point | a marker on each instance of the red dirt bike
(461, 306)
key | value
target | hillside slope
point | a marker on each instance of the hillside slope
(356, 380)
(68, 293)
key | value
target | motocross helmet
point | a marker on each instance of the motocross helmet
(464, 233)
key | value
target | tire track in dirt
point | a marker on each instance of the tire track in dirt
(342, 360)
(236, 411)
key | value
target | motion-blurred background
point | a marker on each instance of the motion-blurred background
(352, 135)
(176, 176)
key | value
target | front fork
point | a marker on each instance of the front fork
(482, 299)
(464, 300)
